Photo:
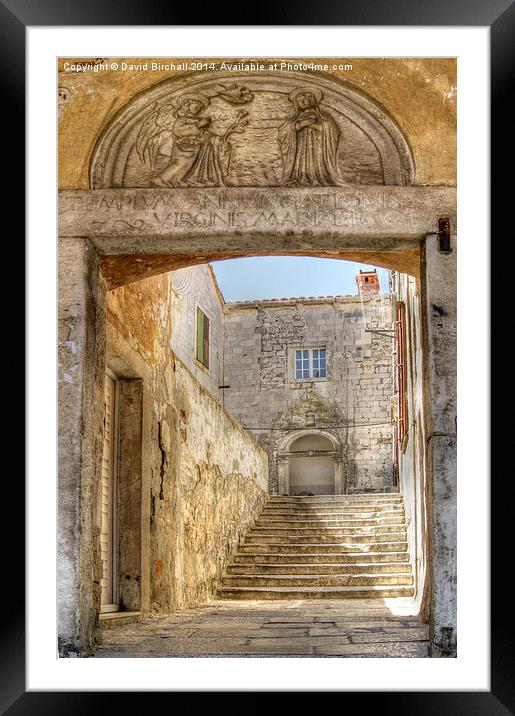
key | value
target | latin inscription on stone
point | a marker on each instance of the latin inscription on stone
(143, 211)
(215, 210)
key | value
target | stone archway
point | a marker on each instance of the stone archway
(124, 229)
(310, 461)
(175, 183)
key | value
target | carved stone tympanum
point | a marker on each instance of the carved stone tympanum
(276, 129)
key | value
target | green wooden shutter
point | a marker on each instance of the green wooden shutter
(206, 342)
(200, 335)
(202, 338)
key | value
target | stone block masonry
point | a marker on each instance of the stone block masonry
(352, 401)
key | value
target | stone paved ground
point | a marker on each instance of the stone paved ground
(303, 628)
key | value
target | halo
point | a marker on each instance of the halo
(317, 93)
(204, 101)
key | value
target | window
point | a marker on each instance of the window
(310, 363)
(202, 351)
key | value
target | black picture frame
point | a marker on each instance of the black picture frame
(499, 16)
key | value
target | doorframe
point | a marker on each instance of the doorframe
(114, 606)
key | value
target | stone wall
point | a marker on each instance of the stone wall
(221, 486)
(427, 465)
(81, 330)
(439, 306)
(353, 402)
(203, 478)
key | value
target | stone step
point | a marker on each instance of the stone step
(108, 620)
(362, 530)
(364, 496)
(338, 507)
(349, 558)
(358, 511)
(349, 495)
(323, 547)
(290, 593)
(326, 537)
(331, 522)
(316, 580)
(399, 545)
(337, 568)
(332, 500)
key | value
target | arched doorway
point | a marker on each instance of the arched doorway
(310, 462)
(312, 466)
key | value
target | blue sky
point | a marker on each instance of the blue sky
(286, 276)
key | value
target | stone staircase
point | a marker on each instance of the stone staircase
(323, 547)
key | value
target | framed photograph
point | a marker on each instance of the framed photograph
(286, 471)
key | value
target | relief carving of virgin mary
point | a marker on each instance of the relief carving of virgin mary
(309, 142)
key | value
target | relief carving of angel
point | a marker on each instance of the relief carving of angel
(197, 156)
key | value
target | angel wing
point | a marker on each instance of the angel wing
(153, 132)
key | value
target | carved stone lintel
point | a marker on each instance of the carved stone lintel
(388, 217)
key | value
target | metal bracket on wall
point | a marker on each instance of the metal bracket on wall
(444, 235)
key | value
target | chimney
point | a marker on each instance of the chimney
(368, 283)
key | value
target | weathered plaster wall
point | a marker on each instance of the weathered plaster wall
(221, 486)
(419, 94)
(191, 288)
(353, 402)
(205, 477)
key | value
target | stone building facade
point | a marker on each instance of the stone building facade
(194, 289)
(347, 408)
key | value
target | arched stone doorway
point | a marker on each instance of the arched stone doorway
(310, 461)
(312, 468)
